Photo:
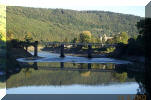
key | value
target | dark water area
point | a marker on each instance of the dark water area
(76, 75)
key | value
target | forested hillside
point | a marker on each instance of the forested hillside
(58, 24)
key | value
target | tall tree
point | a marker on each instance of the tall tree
(121, 38)
(9, 35)
(85, 37)
(1, 37)
(124, 37)
(28, 37)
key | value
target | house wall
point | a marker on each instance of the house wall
(148, 10)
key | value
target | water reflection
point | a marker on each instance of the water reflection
(72, 66)
(124, 88)
(103, 78)
(56, 75)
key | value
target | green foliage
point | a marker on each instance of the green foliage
(119, 38)
(75, 40)
(85, 37)
(124, 37)
(122, 77)
(111, 41)
(110, 49)
(1, 37)
(58, 24)
(66, 40)
(9, 35)
(28, 37)
(135, 46)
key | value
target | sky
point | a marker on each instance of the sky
(135, 7)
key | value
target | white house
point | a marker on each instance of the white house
(105, 38)
(148, 10)
(68, 46)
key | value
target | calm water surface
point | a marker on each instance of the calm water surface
(73, 75)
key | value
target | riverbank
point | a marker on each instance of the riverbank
(140, 59)
(13, 66)
(132, 58)
(9, 63)
(18, 53)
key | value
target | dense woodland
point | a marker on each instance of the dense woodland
(59, 24)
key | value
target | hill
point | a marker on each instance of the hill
(59, 24)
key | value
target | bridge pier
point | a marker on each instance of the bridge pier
(36, 49)
(61, 64)
(89, 65)
(35, 66)
(62, 51)
(89, 51)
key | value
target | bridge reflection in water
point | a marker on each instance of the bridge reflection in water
(89, 68)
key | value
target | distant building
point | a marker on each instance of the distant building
(101, 38)
(148, 10)
(68, 46)
(105, 38)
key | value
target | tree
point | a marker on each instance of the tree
(58, 24)
(121, 76)
(124, 37)
(85, 37)
(66, 40)
(121, 38)
(10, 35)
(28, 37)
(93, 39)
(1, 37)
(110, 41)
(144, 38)
(75, 40)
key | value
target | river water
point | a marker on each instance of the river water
(51, 74)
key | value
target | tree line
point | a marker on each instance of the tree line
(60, 24)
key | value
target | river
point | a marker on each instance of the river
(51, 74)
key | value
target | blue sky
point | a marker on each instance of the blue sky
(134, 7)
(134, 10)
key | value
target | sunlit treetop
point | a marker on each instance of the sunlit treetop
(3, 22)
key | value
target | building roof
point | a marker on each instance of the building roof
(148, 10)
(149, 4)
